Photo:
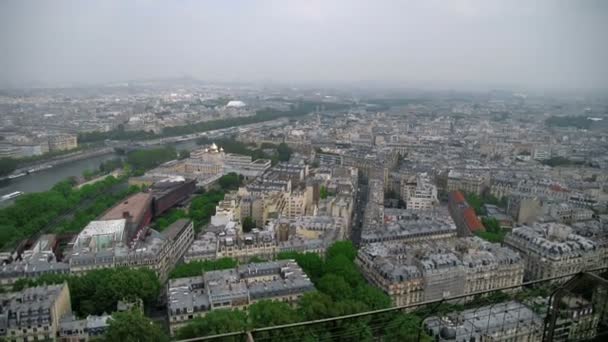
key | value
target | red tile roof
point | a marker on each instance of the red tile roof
(472, 221)
(457, 196)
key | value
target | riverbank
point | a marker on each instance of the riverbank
(44, 164)
(47, 178)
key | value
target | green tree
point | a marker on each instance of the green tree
(7, 165)
(36, 211)
(345, 248)
(335, 286)
(248, 224)
(183, 154)
(132, 326)
(202, 207)
(267, 313)
(372, 297)
(88, 174)
(110, 165)
(311, 263)
(323, 192)
(216, 322)
(405, 327)
(147, 159)
(231, 181)
(581, 122)
(491, 224)
(340, 265)
(99, 291)
(475, 202)
(256, 260)
(264, 114)
(315, 305)
(196, 268)
(284, 152)
(169, 218)
(492, 237)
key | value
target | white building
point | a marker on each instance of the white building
(421, 194)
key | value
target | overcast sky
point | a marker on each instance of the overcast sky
(533, 43)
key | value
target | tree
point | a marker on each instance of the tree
(345, 248)
(256, 260)
(248, 224)
(287, 255)
(231, 181)
(202, 207)
(132, 326)
(335, 286)
(491, 224)
(88, 174)
(315, 305)
(267, 313)
(7, 165)
(183, 154)
(35, 211)
(147, 159)
(169, 218)
(475, 202)
(340, 265)
(373, 297)
(323, 192)
(492, 237)
(196, 268)
(110, 165)
(405, 327)
(264, 114)
(581, 122)
(99, 291)
(311, 263)
(284, 152)
(216, 322)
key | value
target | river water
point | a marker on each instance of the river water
(45, 179)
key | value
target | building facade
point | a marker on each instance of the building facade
(34, 313)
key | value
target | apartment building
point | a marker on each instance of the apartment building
(466, 182)
(62, 142)
(553, 249)
(102, 247)
(34, 313)
(509, 321)
(419, 193)
(410, 226)
(423, 271)
(234, 288)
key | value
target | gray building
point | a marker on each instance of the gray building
(510, 321)
(553, 249)
(34, 313)
(235, 288)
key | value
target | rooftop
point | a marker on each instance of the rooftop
(134, 206)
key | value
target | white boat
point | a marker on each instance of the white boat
(16, 175)
(11, 195)
(40, 168)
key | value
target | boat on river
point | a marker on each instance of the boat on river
(16, 175)
(11, 195)
(40, 168)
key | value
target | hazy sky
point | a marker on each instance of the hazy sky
(534, 43)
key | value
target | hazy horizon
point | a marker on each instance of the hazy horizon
(542, 44)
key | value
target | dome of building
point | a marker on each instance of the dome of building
(236, 104)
